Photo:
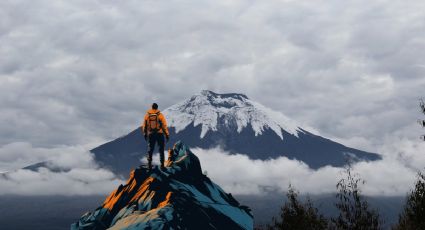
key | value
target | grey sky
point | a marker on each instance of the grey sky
(78, 73)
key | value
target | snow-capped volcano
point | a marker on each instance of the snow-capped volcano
(215, 112)
(236, 124)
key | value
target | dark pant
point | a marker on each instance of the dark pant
(152, 139)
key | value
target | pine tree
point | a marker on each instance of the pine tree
(413, 215)
(296, 215)
(355, 213)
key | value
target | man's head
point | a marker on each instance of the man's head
(154, 106)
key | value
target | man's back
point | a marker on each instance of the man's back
(154, 121)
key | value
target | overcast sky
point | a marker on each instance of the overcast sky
(74, 74)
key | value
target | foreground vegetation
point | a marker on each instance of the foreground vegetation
(354, 210)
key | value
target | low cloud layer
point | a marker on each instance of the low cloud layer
(394, 175)
(21, 154)
(70, 171)
(80, 175)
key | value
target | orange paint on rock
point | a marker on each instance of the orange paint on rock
(142, 189)
(112, 200)
(115, 196)
(131, 185)
(142, 192)
(166, 201)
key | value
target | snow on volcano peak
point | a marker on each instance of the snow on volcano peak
(233, 111)
(236, 124)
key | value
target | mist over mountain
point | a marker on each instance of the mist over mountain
(236, 124)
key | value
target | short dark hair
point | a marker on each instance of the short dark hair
(154, 106)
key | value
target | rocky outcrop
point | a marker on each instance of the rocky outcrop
(179, 197)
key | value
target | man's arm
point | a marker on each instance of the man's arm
(164, 126)
(144, 127)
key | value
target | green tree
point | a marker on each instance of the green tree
(296, 215)
(354, 210)
(413, 215)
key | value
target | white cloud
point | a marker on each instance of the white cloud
(240, 175)
(351, 69)
(45, 182)
(20, 154)
(394, 175)
(90, 74)
(78, 174)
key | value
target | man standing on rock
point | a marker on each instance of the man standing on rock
(154, 128)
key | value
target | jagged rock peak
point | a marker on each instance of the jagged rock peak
(212, 94)
(178, 197)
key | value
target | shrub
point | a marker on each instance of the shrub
(354, 211)
(296, 215)
(413, 215)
